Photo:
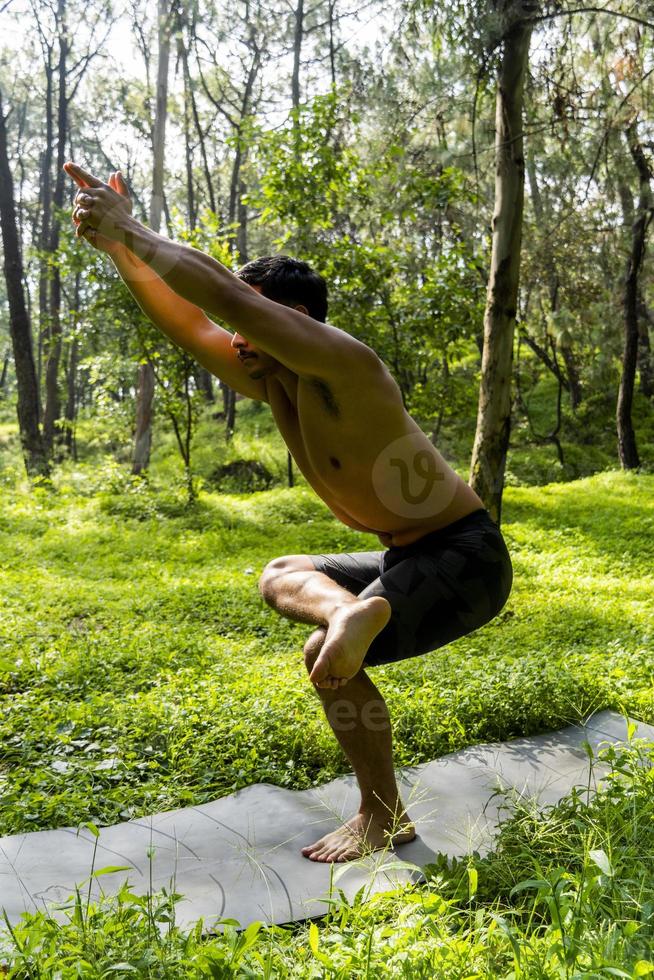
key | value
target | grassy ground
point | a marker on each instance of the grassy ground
(140, 670)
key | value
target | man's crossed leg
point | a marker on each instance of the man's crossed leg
(358, 715)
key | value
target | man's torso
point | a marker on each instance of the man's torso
(365, 456)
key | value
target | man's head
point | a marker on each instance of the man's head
(287, 281)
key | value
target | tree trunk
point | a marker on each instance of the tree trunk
(188, 150)
(494, 413)
(70, 411)
(331, 6)
(198, 128)
(229, 409)
(572, 383)
(52, 411)
(145, 384)
(627, 449)
(204, 381)
(237, 213)
(297, 53)
(143, 436)
(46, 211)
(34, 455)
(572, 371)
(3, 374)
(298, 38)
(645, 359)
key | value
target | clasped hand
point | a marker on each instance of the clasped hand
(100, 210)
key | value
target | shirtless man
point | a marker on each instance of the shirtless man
(445, 569)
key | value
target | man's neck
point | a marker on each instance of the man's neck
(288, 380)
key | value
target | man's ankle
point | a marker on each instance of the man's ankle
(342, 604)
(387, 813)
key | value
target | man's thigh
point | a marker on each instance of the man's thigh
(353, 572)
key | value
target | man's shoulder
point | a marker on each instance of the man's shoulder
(355, 351)
(359, 375)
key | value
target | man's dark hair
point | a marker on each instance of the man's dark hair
(289, 281)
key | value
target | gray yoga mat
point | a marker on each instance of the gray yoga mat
(239, 857)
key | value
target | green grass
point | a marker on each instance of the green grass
(568, 892)
(140, 670)
(133, 631)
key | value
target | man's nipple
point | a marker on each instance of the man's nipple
(335, 463)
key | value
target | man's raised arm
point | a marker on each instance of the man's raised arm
(183, 322)
(304, 345)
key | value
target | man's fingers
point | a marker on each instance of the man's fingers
(76, 177)
(121, 184)
(82, 177)
(85, 231)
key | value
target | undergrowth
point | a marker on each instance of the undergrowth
(140, 671)
(567, 892)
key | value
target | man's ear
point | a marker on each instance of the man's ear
(301, 308)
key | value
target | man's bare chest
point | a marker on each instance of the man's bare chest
(326, 432)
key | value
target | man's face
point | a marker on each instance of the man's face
(256, 362)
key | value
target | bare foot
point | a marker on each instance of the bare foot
(360, 835)
(351, 630)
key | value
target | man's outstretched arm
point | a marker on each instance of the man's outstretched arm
(182, 322)
(305, 346)
(185, 324)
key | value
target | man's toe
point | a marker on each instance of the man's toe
(319, 670)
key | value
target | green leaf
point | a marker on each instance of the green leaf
(473, 879)
(523, 886)
(600, 858)
(313, 938)
(111, 869)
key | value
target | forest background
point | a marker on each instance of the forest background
(364, 141)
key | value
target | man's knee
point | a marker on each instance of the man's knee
(279, 567)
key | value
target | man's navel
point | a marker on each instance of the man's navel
(335, 462)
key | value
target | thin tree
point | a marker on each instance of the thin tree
(572, 382)
(34, 454)
(494, 411)
(627, 449)
(235, 103)
(52, 395)
(63, 73)
(145, 384)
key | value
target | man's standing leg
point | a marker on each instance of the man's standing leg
(359, 719)
(356, 712)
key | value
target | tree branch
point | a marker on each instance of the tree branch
(591, 10)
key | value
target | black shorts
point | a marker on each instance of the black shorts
(441, 587)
